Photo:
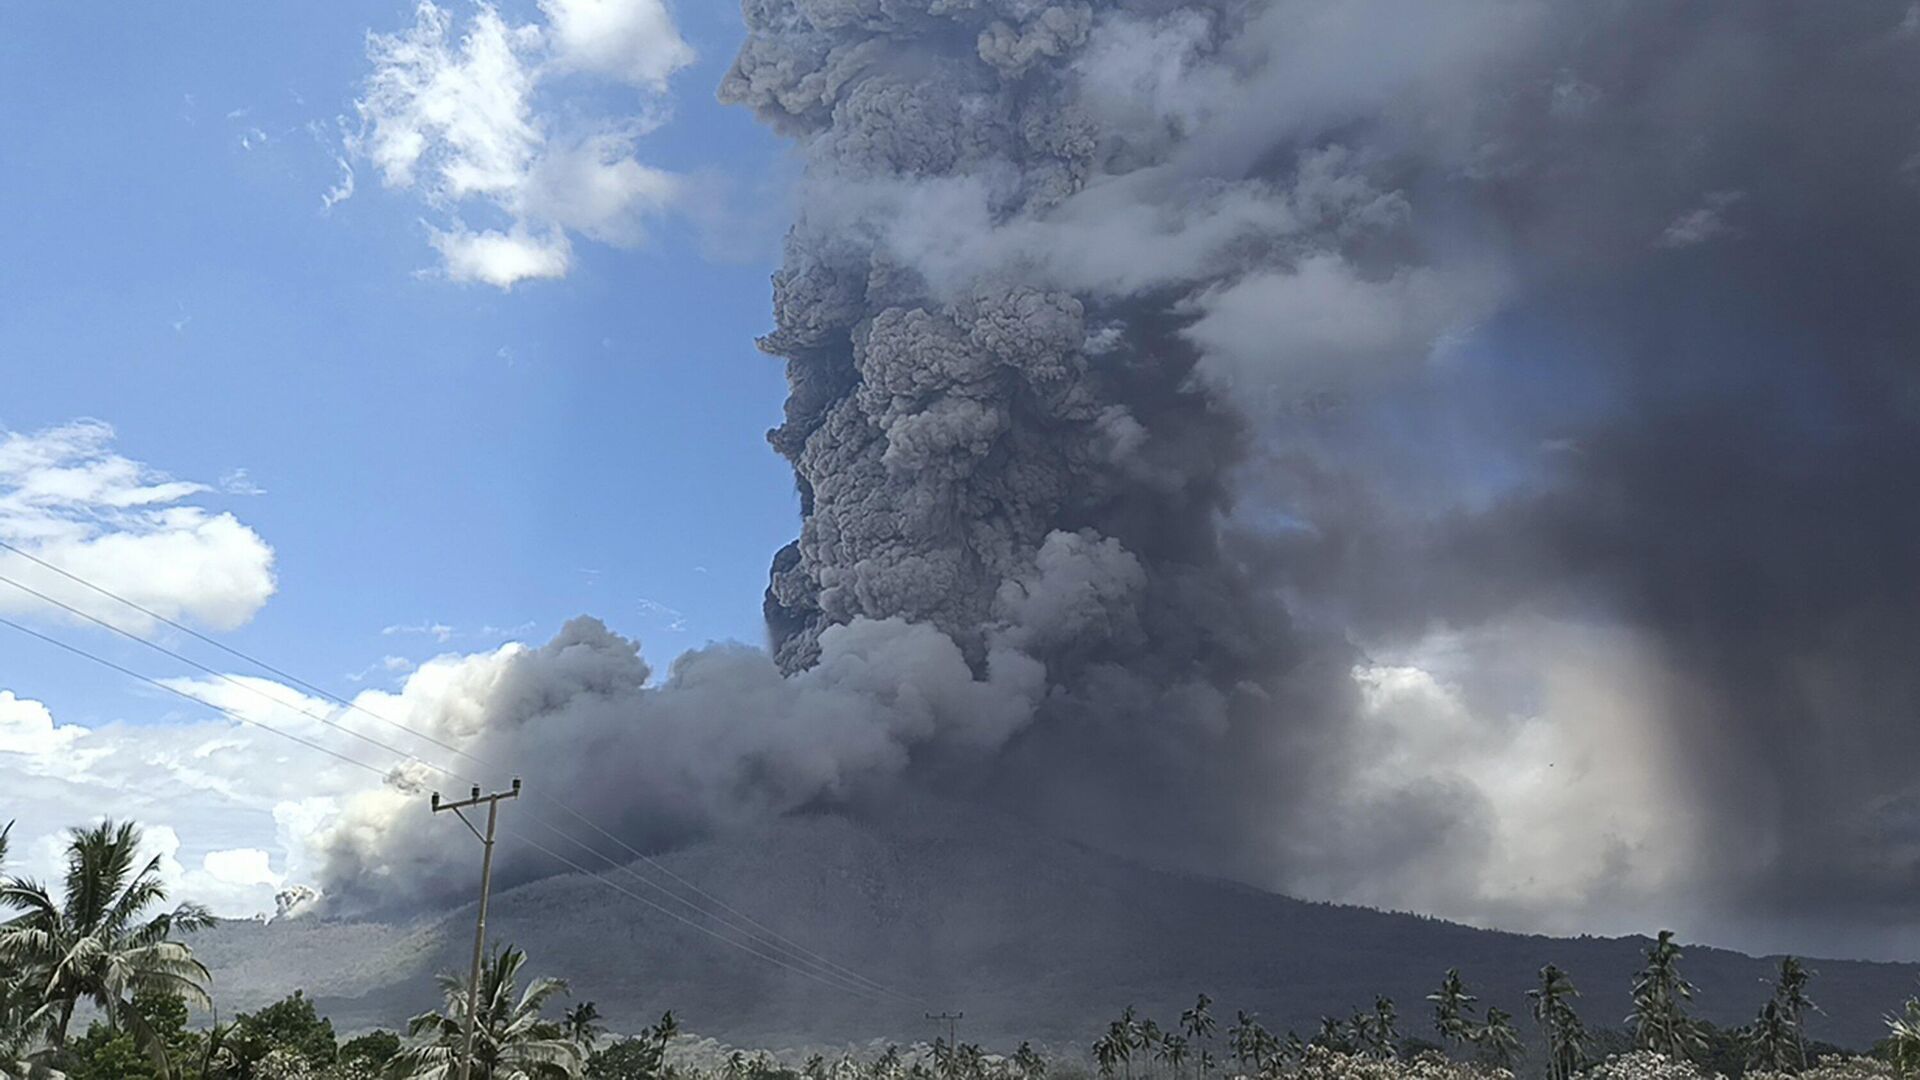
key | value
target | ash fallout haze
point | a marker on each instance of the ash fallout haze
(1456, 458)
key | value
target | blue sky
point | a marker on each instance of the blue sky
(418, 452)
(429, 451)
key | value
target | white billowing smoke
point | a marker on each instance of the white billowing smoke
(725, 739)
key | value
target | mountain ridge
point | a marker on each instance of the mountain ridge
(1032, 937)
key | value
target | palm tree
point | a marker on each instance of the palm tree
(1124, 1033)
(215, 1049)
(1903, 1038)
(1249, 1042)
(1339, 1036)
(1453, 1008)
(1106, 1053)
(1028, 1064)
(1769, 1042)
(1496, 1039)
(1659, 1018)
(512, 1041)
(583, 1025)
(1146, 1039)
(970, 1060)
(95, 945)
(1336, 1035)
(1791, 992)
(1553, 1009)
(21, 1055)
(1383, 1034)
(1173, 1051)
(1197, 1024)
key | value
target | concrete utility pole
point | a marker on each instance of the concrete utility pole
(953, 1047)
(486, 886)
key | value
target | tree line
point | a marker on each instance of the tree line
(1659, 1024)
(104, 941)
(105, 946)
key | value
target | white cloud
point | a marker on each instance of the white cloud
(458, 110)
(597, 189)
(437, 630)
(225, 806)
(67, 498)
(502, 259)
(456, 117)
(342, 189)
(26, 727)
(1705, 222)
(230, 882)
(633, 40)
(232, 809)
(390, 665)
(241, 866)
(675, 619)
(237, 482)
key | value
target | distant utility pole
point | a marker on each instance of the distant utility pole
(486, 886)
(953, 1047)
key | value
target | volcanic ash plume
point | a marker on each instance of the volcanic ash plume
(1440, 455)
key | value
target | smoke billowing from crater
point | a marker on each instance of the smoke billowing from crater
(1443, 456)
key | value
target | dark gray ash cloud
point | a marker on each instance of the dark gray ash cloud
(1446, 456)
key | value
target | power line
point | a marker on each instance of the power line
(851, 989)
(752, 929)
(765, 936)
(189, 661)
(860, 982)
(130, 673)
(800, 953)
(377, 771)
(329, 722)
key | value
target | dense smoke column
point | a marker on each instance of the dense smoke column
(1019, 452)
(940, 438)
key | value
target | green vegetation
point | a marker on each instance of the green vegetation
(1660, 1041)
(1659, 1019)
(104, 945)
(511, 1040)
(97, 943)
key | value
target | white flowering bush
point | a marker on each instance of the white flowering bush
(1836, 1068)
(283, 1064)
(1320, 1063)
(1645, 1065)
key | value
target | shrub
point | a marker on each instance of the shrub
(1645, 1065)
